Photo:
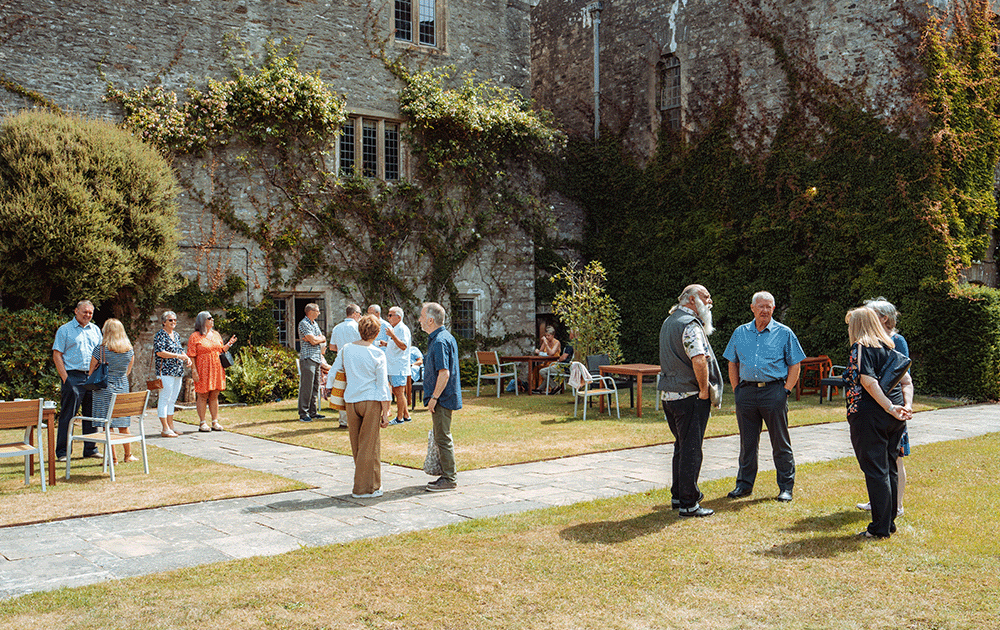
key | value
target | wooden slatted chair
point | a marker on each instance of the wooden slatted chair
(492, 360)
(130, 405)
(27, 415)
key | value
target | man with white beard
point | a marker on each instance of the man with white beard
(764, 357)
(690, 382)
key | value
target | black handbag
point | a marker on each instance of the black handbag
(226, 359)
(893, 370)
(98, 379)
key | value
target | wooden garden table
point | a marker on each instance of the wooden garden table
(535, 363)
(635, 371)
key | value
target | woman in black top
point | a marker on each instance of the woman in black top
(877, 420)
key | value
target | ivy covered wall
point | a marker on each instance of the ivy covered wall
(829, 203)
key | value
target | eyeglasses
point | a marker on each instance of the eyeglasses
(169, 320)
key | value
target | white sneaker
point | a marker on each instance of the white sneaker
(899, 512)
(867, 507)
(371, 495)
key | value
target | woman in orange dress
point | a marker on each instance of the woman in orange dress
(204, 347)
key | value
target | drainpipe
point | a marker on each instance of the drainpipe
(594, 9)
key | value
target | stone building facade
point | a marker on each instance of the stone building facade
(657, 57)
(67, 45)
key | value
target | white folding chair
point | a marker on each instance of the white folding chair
(492, 359)
(27, 415)
(131, 405)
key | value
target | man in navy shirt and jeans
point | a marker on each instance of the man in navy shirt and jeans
(442, 389)
(764, 357)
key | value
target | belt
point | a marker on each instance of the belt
(758, 383)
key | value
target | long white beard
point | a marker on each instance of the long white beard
(705, 315)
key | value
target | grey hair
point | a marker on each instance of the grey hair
(884, 308)
(550, 330)
(199, 321)
(82, 302)
(376, 308)
(397, 310)
(435, 311)
(761, 295)
(312, 306)
(166, 314)
(691, 289)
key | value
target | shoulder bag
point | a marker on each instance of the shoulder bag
(893, 370)
(98, 379)
(153, 384)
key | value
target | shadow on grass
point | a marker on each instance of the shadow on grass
(612, 532)
(827, 545)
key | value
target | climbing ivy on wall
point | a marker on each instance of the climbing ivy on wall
(313, 221)
(837, 206)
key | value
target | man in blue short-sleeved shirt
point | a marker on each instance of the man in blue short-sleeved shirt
(764, 357)
(71, 352)
(442, 389)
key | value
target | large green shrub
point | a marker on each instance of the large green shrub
(252, 325)
(87, 211)
(262, 374)
(26, 367)
(954, 339)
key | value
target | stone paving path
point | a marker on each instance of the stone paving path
(92, 549)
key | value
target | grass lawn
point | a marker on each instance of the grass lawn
(617, 563)
(491, 432)
(173, 479)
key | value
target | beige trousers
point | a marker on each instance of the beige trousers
(363, 426)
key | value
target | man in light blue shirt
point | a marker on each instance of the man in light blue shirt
(764, 357)
(71, 352)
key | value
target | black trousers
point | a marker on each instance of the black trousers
(73, 397)
(687, 419)
(757, 406)
(876, 436)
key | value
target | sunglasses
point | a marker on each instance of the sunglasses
(170, 320)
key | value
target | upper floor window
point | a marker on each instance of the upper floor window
(416, 22)
(369, 146)
(669, 92)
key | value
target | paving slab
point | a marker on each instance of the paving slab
(93, 549)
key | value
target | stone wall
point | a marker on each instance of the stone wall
(178, 43)
(848, 41)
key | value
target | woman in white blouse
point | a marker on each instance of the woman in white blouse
(367, 398)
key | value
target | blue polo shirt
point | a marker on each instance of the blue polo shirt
(77, 343)
(442, 354)
(764, 355)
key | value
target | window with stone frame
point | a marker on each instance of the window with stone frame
(669, 90)
(418, 22)
(370, 147)
(464, 324)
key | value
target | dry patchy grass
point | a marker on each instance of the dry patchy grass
(174, 479)
(512, 429)
(617, 563)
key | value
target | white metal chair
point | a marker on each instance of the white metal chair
(130, 405)
(492, 359)
(585, 385)
(27, 415)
